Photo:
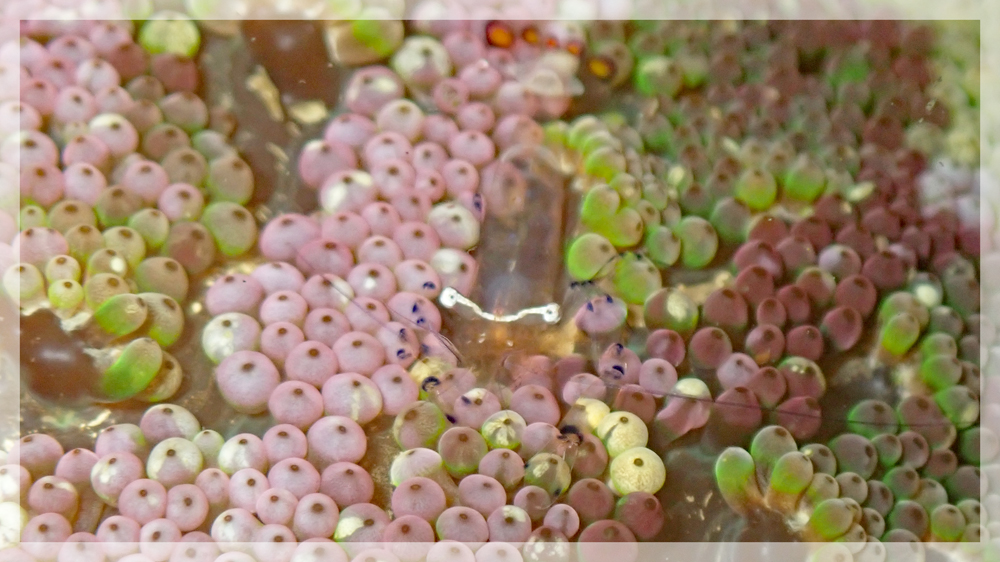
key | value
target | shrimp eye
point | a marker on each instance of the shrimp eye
(571, 430)
(601, 67)
(530, 35)
(575, 47)
(499, 34)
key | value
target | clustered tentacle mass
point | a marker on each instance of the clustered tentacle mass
(772, 261)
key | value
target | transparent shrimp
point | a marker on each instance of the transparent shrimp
(414, 325)
(520, 251)
(506, 267)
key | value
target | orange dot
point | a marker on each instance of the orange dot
(499, 35)
(601, 67)
(530, 35)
